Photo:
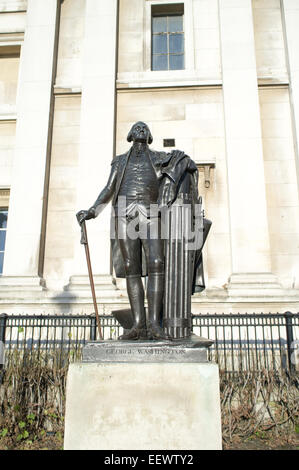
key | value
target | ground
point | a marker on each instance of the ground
(259, 443)
(55, 442)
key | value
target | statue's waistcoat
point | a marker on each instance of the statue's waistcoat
(139, 182)
(138, 179)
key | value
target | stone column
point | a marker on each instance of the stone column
(96, 135)
(250, 249)
(21, 262)
(290, 16)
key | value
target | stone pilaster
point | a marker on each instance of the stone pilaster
(22, 248)
(97, 129)
(250, 249)
(290, 13)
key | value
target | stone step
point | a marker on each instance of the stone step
(82, 283)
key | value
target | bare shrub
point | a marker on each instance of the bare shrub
(255, 403)
(33, 394)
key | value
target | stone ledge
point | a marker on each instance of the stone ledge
(193, 349)
(34, 283)
(79, 287)
(13, 6)
(81, 282)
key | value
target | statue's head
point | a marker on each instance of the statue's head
(140, 133)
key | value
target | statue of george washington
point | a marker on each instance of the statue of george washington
(140, 180)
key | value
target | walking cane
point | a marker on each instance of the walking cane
(84, 241)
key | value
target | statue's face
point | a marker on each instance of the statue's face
(140, 132)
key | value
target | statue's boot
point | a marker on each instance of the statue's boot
(136, 297)
(155, 291)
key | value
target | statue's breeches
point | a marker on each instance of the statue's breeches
(135, 233)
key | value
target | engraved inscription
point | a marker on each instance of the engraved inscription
(149, 351)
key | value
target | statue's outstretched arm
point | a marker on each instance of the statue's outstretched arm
(104, 197)
(107, 193)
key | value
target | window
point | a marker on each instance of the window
(3, 225)
(168, 37)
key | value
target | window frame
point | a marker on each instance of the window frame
(167, 33)
(4, 205)
(188, 36)
(3, 209)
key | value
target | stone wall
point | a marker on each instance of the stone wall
(281, 184)
(7, 141)
(62, 230)
(269, 40)
(71, 34)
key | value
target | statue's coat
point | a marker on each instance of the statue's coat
(169, 169)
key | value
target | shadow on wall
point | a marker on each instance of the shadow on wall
(64, 301)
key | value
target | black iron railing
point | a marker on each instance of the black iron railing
(251, 341)
(241, 341)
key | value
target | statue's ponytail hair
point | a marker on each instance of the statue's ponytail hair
(150, 138)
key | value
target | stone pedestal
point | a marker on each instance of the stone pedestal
(168, 401)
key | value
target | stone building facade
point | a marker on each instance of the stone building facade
(222, 81)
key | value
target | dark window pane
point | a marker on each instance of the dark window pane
(160, 62)
(1, 262)
(159, 24)
(2, 239)
(175, 23)
(176, 62)
(160, 44)
(176, 43)
(3, 219)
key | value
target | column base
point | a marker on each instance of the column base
(80, 286)
(16, 287)
(254, 285)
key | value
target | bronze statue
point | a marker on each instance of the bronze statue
(141, 179)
